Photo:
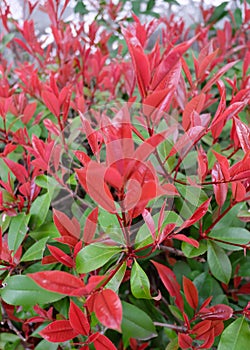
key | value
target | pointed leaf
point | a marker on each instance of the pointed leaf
(59, 281)
(60, 256)
(90, 226)
(108, 309)
(17, 230)
(35, 252)
(94, 256)
(18, 170)
(101, 342)
(190, 292)
(51, 101)
(136, 323)
(21, 290)
(58, 331)
(78, 320)
(197, 215)
(236, 336)
(139, 282)
(219, 263)
(168, 278)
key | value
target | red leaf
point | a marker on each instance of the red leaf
(184, 341)
(60, 256)
(243, 132)
(59, 282)
(90, 226)
(101, 342)
(51, 101)
(197, 215)
(92, 179)
(216, 312)
(78, 320)
(65, 226)
(189, 240)
(58, 331)
(165, 232)
(220, 189)
(18, 170)
(28, 112)
(150, 144)
(149, 222)
(108, 309)
(190, 292)
(168, 63)
(217, 75)
(202, 164)
(202, 327)
(196, 104)
(169, 280)
(140, 62)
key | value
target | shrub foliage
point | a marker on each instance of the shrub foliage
(125, 180)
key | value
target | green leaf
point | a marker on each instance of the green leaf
(218, 13)
(22, 290)
(176, 312)
(173, 345)
(231, 219)
(233, 235)
(80, 8)
(139, 282)
(17, 230)
(4, 222)
(190, 251)
(39, 210)
(236, 336)
(48, 230)
(94, 256)
(136, 323)
(35, 252)
(47, 182)
(219, 262)
(116, 280)
(207, 286)
(46, 345)
(8, 337)
(150, 5)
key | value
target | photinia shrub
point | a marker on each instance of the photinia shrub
(125, 180)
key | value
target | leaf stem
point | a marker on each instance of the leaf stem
(181, 329)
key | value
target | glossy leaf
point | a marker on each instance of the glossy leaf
(39, 210)
(21, 290)
(59, 281)
(219, 263)
(236, 336)
(90, 226)
(94, 256)
(191, 292)
(108, 309)
(184, 341)
(60, 256)
(78, 320)
(136, 323)
(216, 312)
(234, 235)
(17, 231)
(35, 251)
(169, 280)
(197, 215)
(58, 331)
(139, 282)
(101, 342)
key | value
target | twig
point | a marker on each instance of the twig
(181, 329)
